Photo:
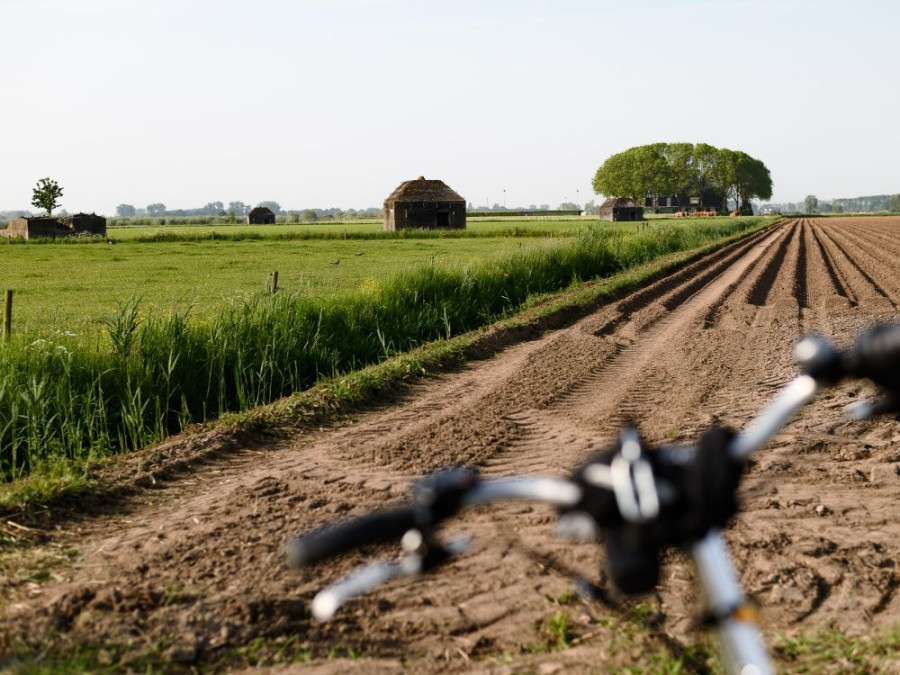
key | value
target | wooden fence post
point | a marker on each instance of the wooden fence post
(272, 283)
(7, 313)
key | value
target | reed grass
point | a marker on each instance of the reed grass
(64, 401)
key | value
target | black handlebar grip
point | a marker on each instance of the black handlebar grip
(334, 539)
(876, 356)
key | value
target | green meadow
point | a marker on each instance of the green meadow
(73, 287)
(476, 227)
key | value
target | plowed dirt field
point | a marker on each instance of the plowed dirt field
(192, 573)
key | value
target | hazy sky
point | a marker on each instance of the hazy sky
(316, 103)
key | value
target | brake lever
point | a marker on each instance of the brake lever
(420, 556)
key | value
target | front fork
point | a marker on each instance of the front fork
(735, 618)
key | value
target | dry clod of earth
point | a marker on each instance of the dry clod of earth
(191, 570)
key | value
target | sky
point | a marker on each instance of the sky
(322, 103)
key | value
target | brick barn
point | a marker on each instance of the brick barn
(261, 215)
(424, 204)
(621, 208)
(53, 227)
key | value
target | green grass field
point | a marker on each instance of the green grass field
(73, 287)
(481, 225)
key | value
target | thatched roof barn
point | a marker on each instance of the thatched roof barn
(261, 215)
(53, 227)
(621, 208)
(424, 204)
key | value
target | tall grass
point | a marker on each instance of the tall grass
(150, 376)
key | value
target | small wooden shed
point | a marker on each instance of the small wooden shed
(621, 208)
(261, 215)
(424, 204)
(56, 226)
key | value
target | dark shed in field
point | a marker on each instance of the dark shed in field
(621, 208)
(424, 204)
(56, 226)
(261, 215)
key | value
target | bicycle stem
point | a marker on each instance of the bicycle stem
(774, 416)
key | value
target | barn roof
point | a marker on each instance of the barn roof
(422, 190)
(261, 211)
(619, 202)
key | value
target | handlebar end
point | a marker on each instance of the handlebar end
(819, 359)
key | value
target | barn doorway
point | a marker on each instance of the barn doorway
(442, 219)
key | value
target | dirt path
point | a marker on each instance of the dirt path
(195, 572)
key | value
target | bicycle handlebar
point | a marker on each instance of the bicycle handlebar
(876, 356)
(333, 540)
(392, 524)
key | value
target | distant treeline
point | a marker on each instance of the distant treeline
(869, 204)
(146, 221)
(524, 213)
(240, 210)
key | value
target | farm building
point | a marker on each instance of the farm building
(261, 215)
(705, 201)
(621, 208)
(424, 204)
(53, 227)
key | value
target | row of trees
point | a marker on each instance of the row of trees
(812, 204)
(240, 209)
(684, 170)
(158, 209)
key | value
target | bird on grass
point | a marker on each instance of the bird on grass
(336, 262)
(358, 253)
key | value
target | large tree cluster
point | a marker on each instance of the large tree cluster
(684, 170)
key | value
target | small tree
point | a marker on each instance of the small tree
(811, 204)
(46, 195)
(309, 216)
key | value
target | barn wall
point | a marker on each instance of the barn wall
(622, 213)
(51, 228)
(424, 215)
(17, 227)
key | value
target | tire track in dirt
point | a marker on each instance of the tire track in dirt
(624, 387)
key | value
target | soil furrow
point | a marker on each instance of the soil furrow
(859, 282)
(840, 285)
(862, 260)
(759, 293)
